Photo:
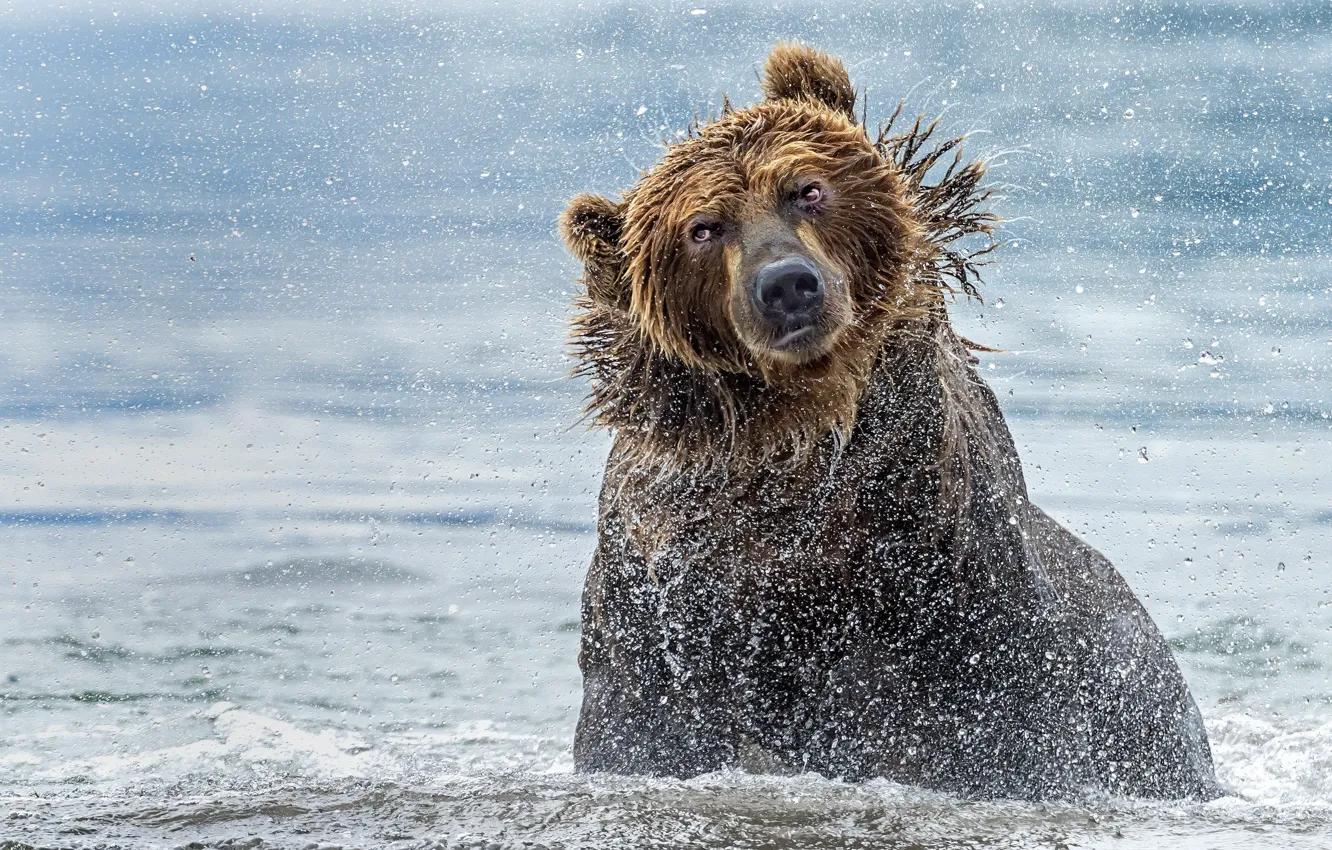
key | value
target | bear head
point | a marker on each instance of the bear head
(738, 296)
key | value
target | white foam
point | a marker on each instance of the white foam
(1265, 764)
(480, 731)
(245, 740)
(195, 757)
(1261, 762)
(254, 739)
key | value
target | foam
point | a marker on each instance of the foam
(246, 742)
(1262, 763)
(257, 740)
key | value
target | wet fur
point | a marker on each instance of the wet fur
(835, 565)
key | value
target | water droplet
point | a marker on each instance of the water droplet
(999, 304)
(1128, 114)
(1281, 566)
(1133, 211)
(1142, 455)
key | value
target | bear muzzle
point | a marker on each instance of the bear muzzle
(788, 295)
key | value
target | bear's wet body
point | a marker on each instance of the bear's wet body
(824, 559)
(828, 619)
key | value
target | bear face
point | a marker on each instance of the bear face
(762, 243)
(740, 293)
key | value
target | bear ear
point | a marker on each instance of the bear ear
(799, 72)
(591, 227)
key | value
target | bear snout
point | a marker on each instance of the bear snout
(789, 295)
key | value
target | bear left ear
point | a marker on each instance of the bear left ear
(591, 227)
(800, 72)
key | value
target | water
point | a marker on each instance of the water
(295, 509)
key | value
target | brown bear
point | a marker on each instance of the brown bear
(815, 550)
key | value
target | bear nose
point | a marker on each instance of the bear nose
(789, 291)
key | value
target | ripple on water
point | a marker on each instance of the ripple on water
(1246, 644)
(305, 571)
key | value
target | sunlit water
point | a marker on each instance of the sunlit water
(295, 511)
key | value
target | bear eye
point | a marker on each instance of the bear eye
(811, 195)
(704, 232)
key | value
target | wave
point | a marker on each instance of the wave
(484, 785)
(1265, 764)
(1258, 761)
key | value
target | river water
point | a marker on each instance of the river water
(295, 505)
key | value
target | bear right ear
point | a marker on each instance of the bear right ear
(591, 227)
(799, 72)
